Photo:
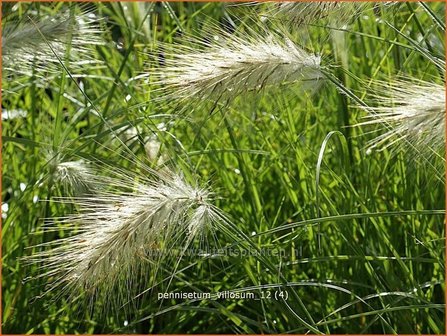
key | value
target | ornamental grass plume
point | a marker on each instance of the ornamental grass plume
(39, 44)
(74, 176)
(63, 172)
(413, 113)
(304, 13)
(233, 64)
(115, 232)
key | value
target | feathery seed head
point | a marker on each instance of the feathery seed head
(127, 219)
(235, 64)
(40, 43)
(413, 113)
(74, 175)
(303, 13)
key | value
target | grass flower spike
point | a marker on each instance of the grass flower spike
(40, 43)
(74, 176)
(413, 113)
(302, 13)
(233, 65)
(120, 226)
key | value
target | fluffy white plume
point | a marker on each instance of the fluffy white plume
(38, 43)
(299, 13)
(236, 63)
(74, 176)
(413, 113)
(115, 232)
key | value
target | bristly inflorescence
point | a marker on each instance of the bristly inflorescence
(413, 114)
(71, 176)
(74, 176)
(38, 44)
(115, 232)
(233, 64)
(303, 13)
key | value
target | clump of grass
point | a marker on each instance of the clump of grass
(115, 230)
(115, 242)
(233, 64)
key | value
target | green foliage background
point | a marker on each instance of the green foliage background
(381, 264)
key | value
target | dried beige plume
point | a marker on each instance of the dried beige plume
(39, 44)
(111, 239)
(233, 64)
(412, 113)
(302, 13)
